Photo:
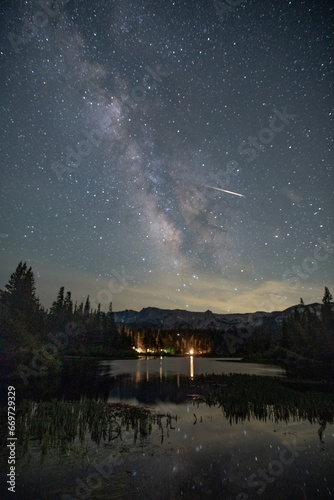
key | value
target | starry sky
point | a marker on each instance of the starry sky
(120, 119)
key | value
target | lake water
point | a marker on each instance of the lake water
(251, 438)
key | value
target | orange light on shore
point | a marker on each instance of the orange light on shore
(191, 352)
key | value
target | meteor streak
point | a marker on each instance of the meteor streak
(225, 191)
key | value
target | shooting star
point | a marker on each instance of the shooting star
(225, 191)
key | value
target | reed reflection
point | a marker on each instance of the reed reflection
(238, 397)
(59, 424)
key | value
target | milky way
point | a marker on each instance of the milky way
(119, 118)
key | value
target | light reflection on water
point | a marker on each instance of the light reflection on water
(206, 453)
(203, 451)
(191, 367)
(185, 366)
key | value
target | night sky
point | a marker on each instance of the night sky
(119, 118)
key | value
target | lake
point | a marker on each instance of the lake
(170, 428)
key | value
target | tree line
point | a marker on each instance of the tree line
(25, 324)
(307, 332)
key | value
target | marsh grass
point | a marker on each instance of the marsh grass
(58, 424)
(243, 397)
(72, 426)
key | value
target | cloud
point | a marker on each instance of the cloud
(213, 293)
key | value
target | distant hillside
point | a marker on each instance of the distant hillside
(167, 319)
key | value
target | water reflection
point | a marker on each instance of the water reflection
(58, 424)
(187, 366)
(239, 398)
(168, 423)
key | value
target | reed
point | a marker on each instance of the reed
(243, 397)
(58, 424)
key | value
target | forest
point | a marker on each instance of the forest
(35, 340)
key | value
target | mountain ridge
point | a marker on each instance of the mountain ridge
(171, 319)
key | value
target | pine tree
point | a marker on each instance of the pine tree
(20, 301)
(312, 327)
(57, 306)
(87, 307)
(57, 312)
(94, 327)
(80, 310)
(327, 340)
(21, 317)
(111, 335)
(20, 294)
(328, 297)
(98, 313)
(68, 306)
